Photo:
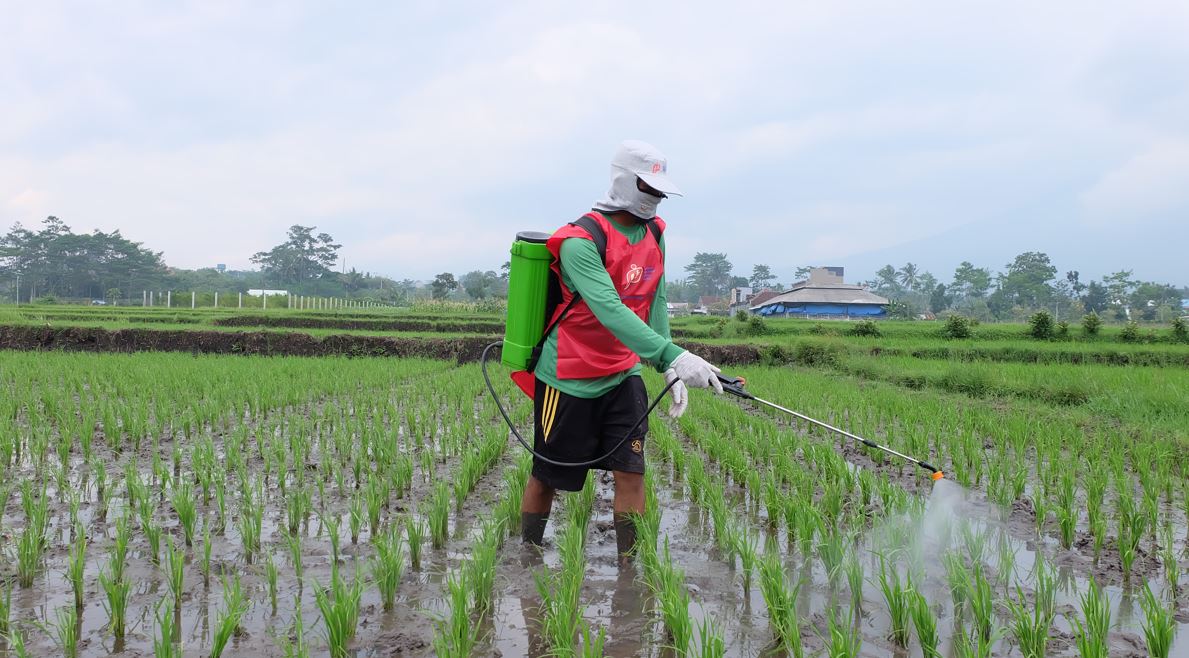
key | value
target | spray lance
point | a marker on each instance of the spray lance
(532, 298)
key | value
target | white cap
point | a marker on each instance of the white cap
(647, 162)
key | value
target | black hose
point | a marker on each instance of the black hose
(495, 396)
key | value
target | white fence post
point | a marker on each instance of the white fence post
(191, 299)
(216, 299)
(241, 300)
(168, 299)
(264, 301)
(144, 297)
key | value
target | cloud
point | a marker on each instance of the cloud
(1149, 185)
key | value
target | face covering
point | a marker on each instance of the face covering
(624, 195)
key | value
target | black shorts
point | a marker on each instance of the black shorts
(572, 429)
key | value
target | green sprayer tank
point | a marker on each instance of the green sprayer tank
(528, 287)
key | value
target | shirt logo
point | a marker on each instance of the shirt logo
(635, 273)
(637, 446)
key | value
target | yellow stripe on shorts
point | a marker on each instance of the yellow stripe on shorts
(549, 410)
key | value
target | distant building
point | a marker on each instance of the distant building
(678, 309)
(270, 293)
(221, 268)
(823, 295)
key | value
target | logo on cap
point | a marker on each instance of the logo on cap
(657, 167)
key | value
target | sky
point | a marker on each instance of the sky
(423, 135)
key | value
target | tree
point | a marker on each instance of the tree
(1119, 287)
(1073, 280)
(887, 279)
(761, 276)
(505, 270)
(939, 300)
(1026, 282)
(303, 257)
(908, 276)
(56, 261)
(478, 285)
(710, 274)
(443, 284)
(1148, 297)
(926, 283)
(352, 281)
(971, 281)
(802, 272)
(1095, 300)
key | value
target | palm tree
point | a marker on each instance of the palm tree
(908, 276)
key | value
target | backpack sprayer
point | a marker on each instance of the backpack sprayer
(530, 300)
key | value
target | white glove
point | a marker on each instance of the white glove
(696, 371)
(680, 394)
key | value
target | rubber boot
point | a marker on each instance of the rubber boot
(532, 527)
(625, 537)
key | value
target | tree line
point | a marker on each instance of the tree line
(53, 261)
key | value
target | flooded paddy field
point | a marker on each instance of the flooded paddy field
(167, 504)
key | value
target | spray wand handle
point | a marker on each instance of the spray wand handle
(734, 386)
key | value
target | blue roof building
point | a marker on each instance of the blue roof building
(824, 295)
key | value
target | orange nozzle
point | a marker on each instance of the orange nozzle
(938, 475)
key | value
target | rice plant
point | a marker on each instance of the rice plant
(296, 648)
(710, 640)
(781, 600)
(5, 608)
(270, 577)
(65, 630)
(388, 566)
(1092, 627)
(205, 565)
(165, 641)
(898, 598)
(592, 643)
(439, 515)
(454, 635)
(75, 567)
(1030, 624)
(415, 532)
(926, 625)
(227, 620)
(294, 543)
(1159, 624)
(182, 498)
(845, 639)
(982, 605)
(484, 554)
(32, 543)
(746, 547)
(339, 605)
(116, 589)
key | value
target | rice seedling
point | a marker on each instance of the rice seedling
(74, 569)
(746, 547)
(205, 565)
(297, 508)
(270, 577)
(339, 605)
(388, 566)
(845, 639)
(710, 640)
(781, 600)
(855, 573)
(297, 647)
(590, 643)
(439, 515)
(674, 603)
(32, 543)
(116, 589)
(5, 608)
(1091, 628)
(16, 644)
(251, 520)
(1159, 624)
(227, 620)
(925, 623)
(454, 635)
(64, 630)
(898, 598)
(182, 499)
(415, 532)
(484, 553)
(982, 605)
(1030, 624)
(966, 647)
(355, 517)
(831, 550)
(174, 571)
(165, 641)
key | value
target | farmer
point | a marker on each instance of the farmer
(589, 392)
